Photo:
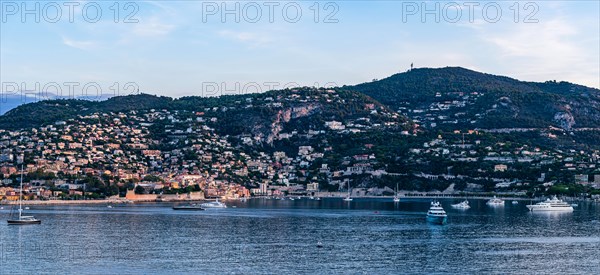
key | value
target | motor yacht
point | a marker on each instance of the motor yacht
(462, 205)
(213, 204)
(436, 213)
(553, 204)
(495, 202)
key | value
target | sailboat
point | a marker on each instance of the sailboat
(396, 197)
(348, 198)
(23, 219)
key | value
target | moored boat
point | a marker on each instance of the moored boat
(194, 207)
(436, 213)
(213, 204)
(348, 198)
(462, 205)
(553, 204)
(22, 220)
(495, 202)
(396, 197)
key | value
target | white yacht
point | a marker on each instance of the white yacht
(462, 205)
(553, 204)
(213, 204)
(436, 213)
(495, 202)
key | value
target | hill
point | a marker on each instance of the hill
(293, 139)
(254, 114)
(455, 97)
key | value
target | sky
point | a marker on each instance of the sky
(204, 48)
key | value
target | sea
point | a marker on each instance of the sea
(268, 236)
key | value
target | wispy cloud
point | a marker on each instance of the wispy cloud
(79, 44)
(536, 40)
(250, 38)
(549, 49)
(152, 27)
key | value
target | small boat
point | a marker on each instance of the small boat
(515, 202)
(495, 202)
(317, 198)
(462, 205)
(194, 207)
(22, 220)
(553, 204)
(319, 245)
(396, 197)
(348, 197)
(213, 204)
(436, 213)
(109, 206)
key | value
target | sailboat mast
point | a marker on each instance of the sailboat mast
(21, 193)
(348, 189)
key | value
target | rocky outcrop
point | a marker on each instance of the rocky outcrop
(565, 120)
(285, 115)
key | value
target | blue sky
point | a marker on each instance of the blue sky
(180, 48)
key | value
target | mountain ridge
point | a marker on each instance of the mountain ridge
(335, 137)
(490, 101)
(466, 99)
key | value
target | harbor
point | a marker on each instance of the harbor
(380, 237)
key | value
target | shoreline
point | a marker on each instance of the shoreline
(125, 201)
(65, 202)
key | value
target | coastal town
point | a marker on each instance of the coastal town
(165, 154)
(299, 137)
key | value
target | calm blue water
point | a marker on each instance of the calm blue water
(260, 236)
